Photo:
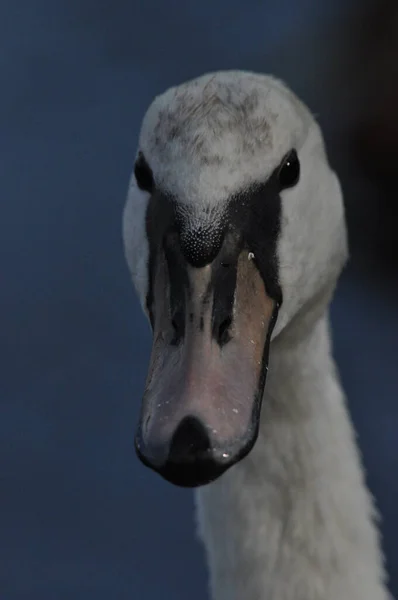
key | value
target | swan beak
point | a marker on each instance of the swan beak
(201, 408)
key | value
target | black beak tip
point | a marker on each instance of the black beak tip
(191, 475)
(189, 460)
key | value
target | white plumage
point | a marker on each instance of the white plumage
(293, 520)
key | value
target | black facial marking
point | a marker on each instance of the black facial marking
(223, 285)
(256, 215)
(178, 283)
(159, 221)
(251, 221)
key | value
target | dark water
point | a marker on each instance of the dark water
(79, 516)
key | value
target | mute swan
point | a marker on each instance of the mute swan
(235, 236)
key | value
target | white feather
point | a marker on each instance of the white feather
(293, 520)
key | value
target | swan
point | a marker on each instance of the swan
(235, 236)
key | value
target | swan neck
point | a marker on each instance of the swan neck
(294, 520)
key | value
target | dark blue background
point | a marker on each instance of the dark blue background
(79, 516)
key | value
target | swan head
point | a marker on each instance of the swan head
(234, 234)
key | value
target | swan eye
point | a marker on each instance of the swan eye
(289, 172)
(143, 174)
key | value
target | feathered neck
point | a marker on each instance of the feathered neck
(294, 520)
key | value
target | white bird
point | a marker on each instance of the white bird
(235, 236)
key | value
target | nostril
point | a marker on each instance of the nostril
(178, 325)
(223, 334)
(190, 441)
